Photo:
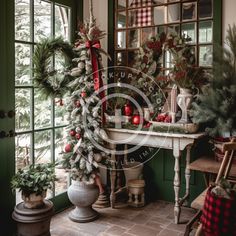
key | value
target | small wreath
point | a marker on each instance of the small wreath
(49, 81)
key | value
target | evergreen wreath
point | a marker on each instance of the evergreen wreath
(49, 81)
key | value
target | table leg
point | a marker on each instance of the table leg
(187, 173)
(113, 177)
(176, 153)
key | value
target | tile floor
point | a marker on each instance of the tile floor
(155, 219)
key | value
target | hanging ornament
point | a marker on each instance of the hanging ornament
(81, 65)
(68, 148)
(98, 157)
(72, 132)
(77, 103)
(78, 136)
(59, 102)
(83, 94)
(128, 109)
(137, 120)
(103, 134)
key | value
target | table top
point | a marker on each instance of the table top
(154, 133)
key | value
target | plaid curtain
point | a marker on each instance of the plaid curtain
(144, 15)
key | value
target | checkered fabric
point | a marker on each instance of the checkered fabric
(219, 215)
(144, 15)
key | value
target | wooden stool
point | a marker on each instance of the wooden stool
(136, 192)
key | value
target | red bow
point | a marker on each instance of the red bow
(97, 78)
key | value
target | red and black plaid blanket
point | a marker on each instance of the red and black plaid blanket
(219, 215)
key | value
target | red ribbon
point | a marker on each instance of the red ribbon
(97, 78)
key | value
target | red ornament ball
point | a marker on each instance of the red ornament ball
(83, 94)
(137, 120)
(77, 103)
(68, 148)
(72, 132)
(128, 110)
(78, 136)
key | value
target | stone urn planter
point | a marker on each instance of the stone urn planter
(83, 195)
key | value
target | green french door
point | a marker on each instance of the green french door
(39, 122)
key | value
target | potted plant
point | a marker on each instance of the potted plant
(33, 182)
(184, 73)
(215, 107)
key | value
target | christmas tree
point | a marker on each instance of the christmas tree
(215, 107)
(85, 107)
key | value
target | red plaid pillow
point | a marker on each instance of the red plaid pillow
(219, 215)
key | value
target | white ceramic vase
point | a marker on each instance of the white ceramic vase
(184, 100)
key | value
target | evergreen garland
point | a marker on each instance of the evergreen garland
(215, 107)
(49, 81)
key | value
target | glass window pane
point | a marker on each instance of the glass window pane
(160, 29)
(42, 150)
(121, 4)
(205, 8)
(189, 11)
(140, 17)
(121, 39)
(133, 38)
(42, 110)
(205, 32)
(23, 109)
(121, 59)
(22, 151)
(62, 183)
(22, 20)
(205, 55)
(173, 29)
(135, 3)
(189, 29)
(160, 15)
(173, 12)
(22, 64)
(62, 22)
(131, 58)
(42, 19)
(60, 112)
(147, 33)
(121, 19)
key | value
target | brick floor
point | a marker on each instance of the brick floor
(155, 219)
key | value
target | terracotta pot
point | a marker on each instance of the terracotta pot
(83, 195)
(33, 201)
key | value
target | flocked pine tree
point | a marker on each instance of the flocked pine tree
(84, 131)
(215, 107)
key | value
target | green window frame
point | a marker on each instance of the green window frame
(38, 121)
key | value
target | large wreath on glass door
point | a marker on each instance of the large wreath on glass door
(52, 82)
